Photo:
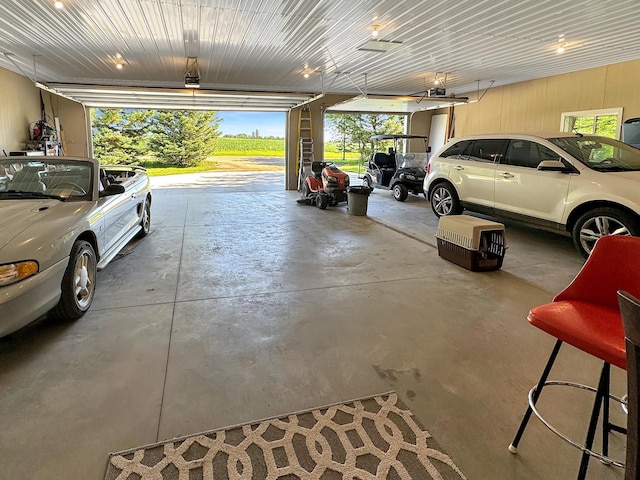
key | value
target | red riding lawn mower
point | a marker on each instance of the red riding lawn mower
(327, 186)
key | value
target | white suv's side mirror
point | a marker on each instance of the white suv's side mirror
(553, 166)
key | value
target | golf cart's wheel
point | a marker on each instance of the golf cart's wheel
(145, 219)
(599, 222)
(367, 182)
(444, 200)
(78, 283)
(322, 201)
(400, 192)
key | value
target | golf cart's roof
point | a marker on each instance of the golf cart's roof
(396, 137)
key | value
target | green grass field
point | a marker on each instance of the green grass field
(159, 169)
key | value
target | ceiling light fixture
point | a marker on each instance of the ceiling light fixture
(440, 79)
(59, 5)
(440, 89)
(374, 32)
(119, 61)
(306, 74)
(562, 44)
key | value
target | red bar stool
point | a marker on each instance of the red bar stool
(586, 315)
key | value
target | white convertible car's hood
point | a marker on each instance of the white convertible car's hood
(17, 216)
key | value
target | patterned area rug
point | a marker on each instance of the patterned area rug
(367, 439)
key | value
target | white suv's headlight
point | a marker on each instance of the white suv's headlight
(14, 272)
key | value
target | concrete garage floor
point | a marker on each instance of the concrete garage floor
(243, 305)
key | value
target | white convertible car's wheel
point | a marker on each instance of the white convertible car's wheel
(145, 219)
(78, 283)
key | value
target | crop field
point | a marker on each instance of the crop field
(267, 147)
(252, 147)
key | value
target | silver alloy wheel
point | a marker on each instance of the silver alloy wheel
(400, 192)
(597, 227)
(146, 216)
(442, 201)
(84, 279)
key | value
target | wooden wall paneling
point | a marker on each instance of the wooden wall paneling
(73, 122)
(19, 106)
(577, 91)
(536, 106)
(524, 108)
(479, 117)
(622, 88)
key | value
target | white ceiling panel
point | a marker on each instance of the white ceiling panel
(267, 45)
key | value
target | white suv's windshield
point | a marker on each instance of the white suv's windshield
(601, 153)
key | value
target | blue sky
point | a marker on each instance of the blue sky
(267, 123)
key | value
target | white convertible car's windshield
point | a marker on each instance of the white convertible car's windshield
(28, 178)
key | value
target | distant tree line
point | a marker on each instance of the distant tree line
(253, 135)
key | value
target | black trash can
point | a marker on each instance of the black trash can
(358, 197)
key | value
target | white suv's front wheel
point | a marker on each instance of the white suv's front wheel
(444, 200)
(599, 222)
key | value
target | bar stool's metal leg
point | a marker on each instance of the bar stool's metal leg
(513, 448)
(606, 425)
(603, 386)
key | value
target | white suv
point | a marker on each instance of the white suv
(586, 185)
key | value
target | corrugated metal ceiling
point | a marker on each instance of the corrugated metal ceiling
(267, 45)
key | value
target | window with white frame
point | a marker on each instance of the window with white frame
(593, 122)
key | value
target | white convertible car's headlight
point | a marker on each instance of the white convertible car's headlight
(14, 272)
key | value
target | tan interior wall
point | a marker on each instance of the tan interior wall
(19, 106)
(419, 124)
(72, 122)
(537, 105)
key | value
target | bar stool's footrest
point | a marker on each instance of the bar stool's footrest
(603, 458)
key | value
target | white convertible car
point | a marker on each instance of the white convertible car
(61, 220)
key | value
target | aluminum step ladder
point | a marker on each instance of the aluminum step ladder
(305, 149)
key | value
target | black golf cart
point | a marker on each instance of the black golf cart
(391, 169)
